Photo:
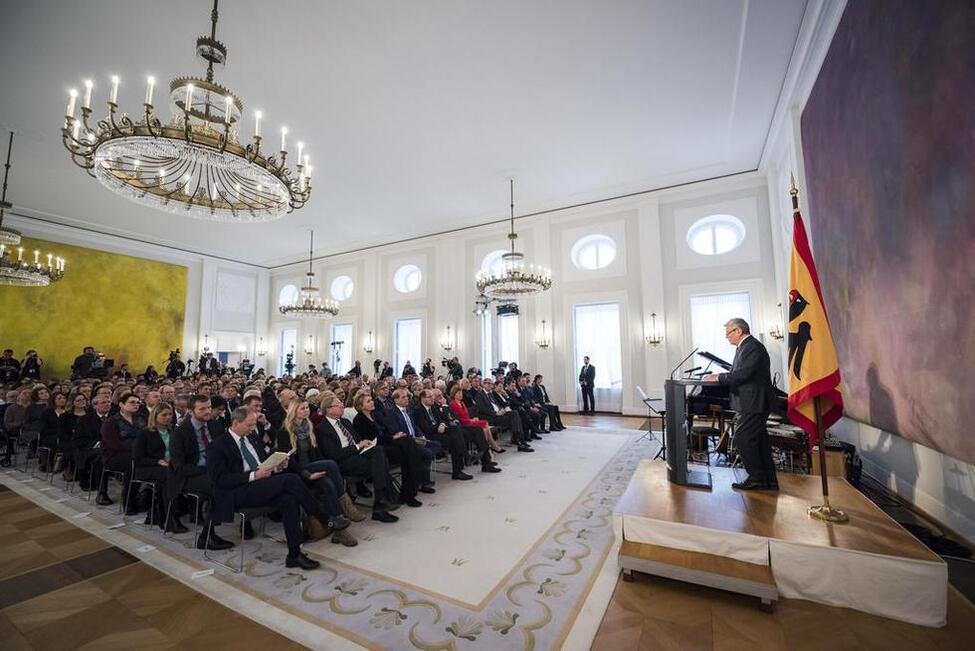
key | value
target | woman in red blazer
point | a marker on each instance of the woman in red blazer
(459, 410)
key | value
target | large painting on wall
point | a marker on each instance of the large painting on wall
(129, 308)
(888, 139)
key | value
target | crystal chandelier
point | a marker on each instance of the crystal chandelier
(197, 164)
(514, 279)
(19, 271)
(310, 303)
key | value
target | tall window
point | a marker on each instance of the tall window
(407, 344)
(508, 338)
(487, 341)
(289, 343)
(340, 348)
(709, 312)
(597, 335)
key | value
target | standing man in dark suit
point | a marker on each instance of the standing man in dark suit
(233, 464)
(587, 380)
(750, 384)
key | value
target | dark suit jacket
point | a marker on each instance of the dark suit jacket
(484, 406)
(396, 422)
(422, 420)
(541, 395)
(750, 380)
(588, 375)
(225, 468)
(184, 455)
(330, 443)
(366, 428)
(148, 448)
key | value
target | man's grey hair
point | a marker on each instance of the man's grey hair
(239, 414)
(738, 323)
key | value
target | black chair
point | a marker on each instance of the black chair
(142, 484)
(106, 475)
(198, 501)
(241, 517)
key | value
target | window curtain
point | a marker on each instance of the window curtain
(709, 313)
(508, 338)
(597, 334)
(339, 357)
(408, 344)
(289, 340)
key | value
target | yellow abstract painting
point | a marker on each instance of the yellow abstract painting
(131, 309)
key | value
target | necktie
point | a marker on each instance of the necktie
(409, 423)
(249, 459)
(345, 430)
(203, 436)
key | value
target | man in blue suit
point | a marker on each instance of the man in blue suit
(403, 446)
(233, 464)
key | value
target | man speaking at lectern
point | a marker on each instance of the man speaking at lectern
(750, 384)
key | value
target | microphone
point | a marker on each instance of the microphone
(691, 370)
(682, 363)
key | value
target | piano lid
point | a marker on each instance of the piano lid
(715, 359)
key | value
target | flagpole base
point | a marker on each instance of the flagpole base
(827, 513)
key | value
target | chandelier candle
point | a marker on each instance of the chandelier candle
(216, 174)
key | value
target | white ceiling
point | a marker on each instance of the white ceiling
(414, 113)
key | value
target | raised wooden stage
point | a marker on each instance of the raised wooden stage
(764, 544)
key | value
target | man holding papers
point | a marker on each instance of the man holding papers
(234, 465)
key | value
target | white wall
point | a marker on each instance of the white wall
(940, 485)
(644, 278)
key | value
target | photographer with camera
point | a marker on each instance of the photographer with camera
(427, 371)
(175, 366)
(84, 364)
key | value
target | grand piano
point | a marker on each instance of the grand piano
(702, 397)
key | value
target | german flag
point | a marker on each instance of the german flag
(813, 369)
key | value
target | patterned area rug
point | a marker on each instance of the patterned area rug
(558, 555)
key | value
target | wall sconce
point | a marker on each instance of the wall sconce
(446, 342)
(542, 340)
(310, 345)
(206, 344)
(370, 344)
(654, 337)
(775, 332)
(261, 348)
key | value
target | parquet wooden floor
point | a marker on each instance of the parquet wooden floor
(63, 588)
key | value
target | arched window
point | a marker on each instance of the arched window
(716, 234)
(593, 252)
(288, 295)
(342, 288)
(407, 278)
(493, 264)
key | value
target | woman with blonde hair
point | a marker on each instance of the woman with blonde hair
(297, 434)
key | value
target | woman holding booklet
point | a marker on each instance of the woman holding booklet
(297, 436)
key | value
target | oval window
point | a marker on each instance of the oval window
(342, 288)
(593, 252)
(716, 234)
(407, 278)
(288, 295)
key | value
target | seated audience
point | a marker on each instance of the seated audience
(400, 421)
(188, 449)
(541, 396)
(460, 411)
(117, 436)
(150, 452)
(339, 441)
(233, 464)
(311, 465)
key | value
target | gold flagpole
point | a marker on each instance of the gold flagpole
(824, 511)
